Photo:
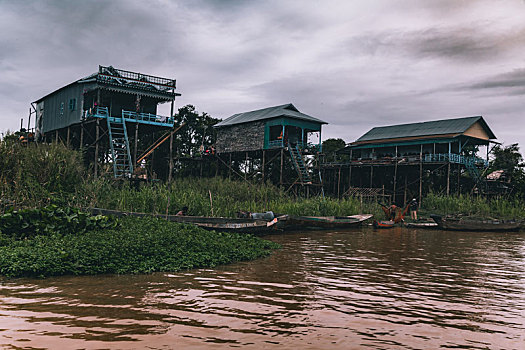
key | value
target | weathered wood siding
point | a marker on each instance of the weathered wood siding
(240, 137)
(477, 131)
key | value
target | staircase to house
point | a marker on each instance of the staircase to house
(299, 165)
(119, 144)
(475, 173)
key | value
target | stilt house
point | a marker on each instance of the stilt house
(102, 112)
(412, 152)
(272, 129)
(267, 128)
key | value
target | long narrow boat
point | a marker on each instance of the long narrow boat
(425, 225)
(210, 223)
(324, 222)
(470, 224)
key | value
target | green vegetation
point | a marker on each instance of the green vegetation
(474, 206)
(228, 197)
(138, 245)
(27, 223)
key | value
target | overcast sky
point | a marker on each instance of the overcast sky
(355, 64)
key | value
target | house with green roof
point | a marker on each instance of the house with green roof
(268, 128)
(407, 160)
(435, 140)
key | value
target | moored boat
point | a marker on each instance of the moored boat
(244, 225)
(426, 225)
(472, 224)
(324, 222)
(384, 224)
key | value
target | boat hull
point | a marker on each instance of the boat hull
(384, 224)
(246, 225)
(462, 224)
(324, 222)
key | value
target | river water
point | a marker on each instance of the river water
(390, 289)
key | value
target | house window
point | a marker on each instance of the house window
(72, 104)
(61, 109)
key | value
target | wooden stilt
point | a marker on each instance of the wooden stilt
(135, 148)
(282, 163)
(350, 172)
(371, 175)
(97, 136)
(170, 165)
(339, 182)
(263, 166)
(68, 136)
(81, 136)
(395, 177)
(459, 178)
(56, 136)
(406, 189)
(420, 174)
(230, 167)
(448, 178)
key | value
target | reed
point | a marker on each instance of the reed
(474, 206)
(37, 176)
(228, 197)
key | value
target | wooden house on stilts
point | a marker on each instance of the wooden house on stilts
(256, 139)
(410, 159)
(109, 115)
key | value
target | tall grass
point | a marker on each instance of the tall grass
(474, 206)
(38, 175)
(227, 198)
(42, 174)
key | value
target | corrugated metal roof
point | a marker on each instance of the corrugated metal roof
(437, 127)
(287, 110)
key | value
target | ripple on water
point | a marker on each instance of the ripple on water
(400, 289)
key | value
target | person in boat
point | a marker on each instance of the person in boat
(413, 209)
(392, 210)
(182, 212)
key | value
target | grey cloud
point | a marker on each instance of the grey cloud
(513, 79)
(460, 44)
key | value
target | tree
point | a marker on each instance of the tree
(330, 148)
(510, 160)
(198, 131)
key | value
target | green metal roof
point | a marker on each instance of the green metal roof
(432, 128)
(287, 110)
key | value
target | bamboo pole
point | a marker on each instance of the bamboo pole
(81, 136)
(97, 135)
(170, 166)
(338, 182)
(395, 176)
(282, 163)
(420, 174)
(263, 166)
(448, 178)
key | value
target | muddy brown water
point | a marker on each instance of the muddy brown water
(391, 289)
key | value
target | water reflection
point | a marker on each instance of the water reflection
(405, 289)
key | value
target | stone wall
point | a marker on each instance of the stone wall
(240, 137)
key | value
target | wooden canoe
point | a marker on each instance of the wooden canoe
(324, 222)
(426, 225)
(470, 224)
(211, 223)
(384, 224)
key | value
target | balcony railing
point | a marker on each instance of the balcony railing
(301, 145)
(129, 116)
(146, 117)
(455, 158)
